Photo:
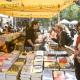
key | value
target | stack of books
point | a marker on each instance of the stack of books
(25, 73)
(47, 75)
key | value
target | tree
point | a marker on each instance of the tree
(71, 13)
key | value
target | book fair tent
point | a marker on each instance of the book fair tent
(44, 58)
(64, 21)
(74, 22)
(23, 8)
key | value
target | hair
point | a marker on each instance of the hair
(78, 25)
(59, 26)
(34, 23)
(66, 29)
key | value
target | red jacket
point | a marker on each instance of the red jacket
(77, 42)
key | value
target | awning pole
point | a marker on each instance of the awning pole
(58, 17)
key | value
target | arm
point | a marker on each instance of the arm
(30, 42)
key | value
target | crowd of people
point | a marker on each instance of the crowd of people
(59, 33)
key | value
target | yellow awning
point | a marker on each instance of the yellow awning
(29, 14)
(33, 8)
(35, 5)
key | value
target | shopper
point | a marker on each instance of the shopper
(77, 53)
(31, 35)
(63, 37)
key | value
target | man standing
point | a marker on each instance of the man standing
(31, 35)
(63, 36)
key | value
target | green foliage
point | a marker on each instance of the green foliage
(71, 13)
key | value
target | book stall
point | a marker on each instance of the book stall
(36, 65)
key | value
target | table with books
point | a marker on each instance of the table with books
(36, 65)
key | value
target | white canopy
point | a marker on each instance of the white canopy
(74, 22)
(4, 16)
(64, 21)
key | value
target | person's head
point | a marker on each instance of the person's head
(58, 28)
(35, 25)
(78, 27)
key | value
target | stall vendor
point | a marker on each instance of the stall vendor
(31, 35)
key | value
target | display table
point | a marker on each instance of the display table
(37, 65)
